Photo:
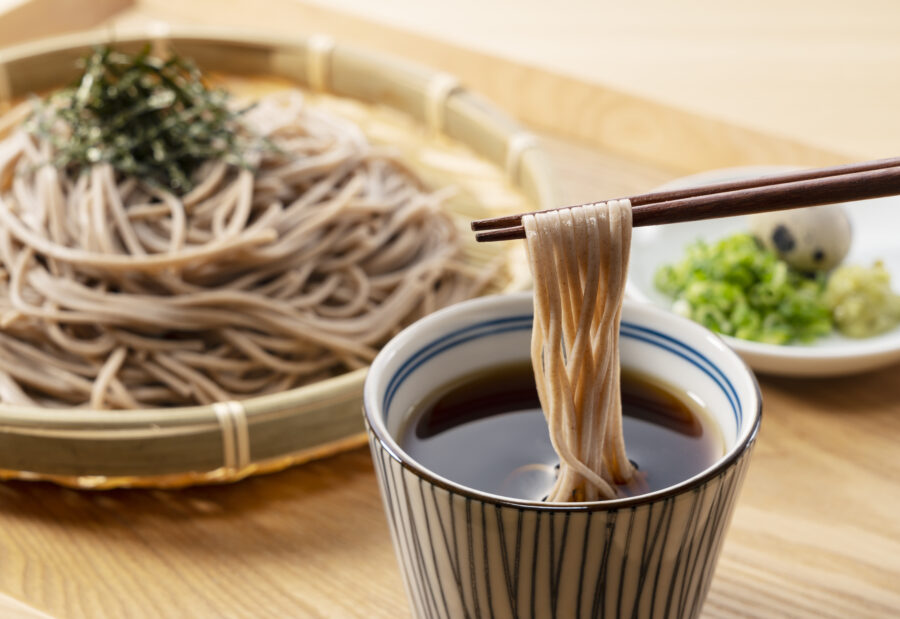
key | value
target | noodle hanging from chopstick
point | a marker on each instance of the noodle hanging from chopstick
(116, 293)
(579, 261)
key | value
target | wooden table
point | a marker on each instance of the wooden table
(816, 531)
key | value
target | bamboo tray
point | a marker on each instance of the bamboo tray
(447, 131)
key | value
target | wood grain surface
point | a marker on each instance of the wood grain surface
(816, 532)
(11, 608)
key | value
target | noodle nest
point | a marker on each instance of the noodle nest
(117, 293)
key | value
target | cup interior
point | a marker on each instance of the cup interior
(491, 331)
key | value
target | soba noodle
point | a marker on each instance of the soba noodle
(579, 260)
(116, 293)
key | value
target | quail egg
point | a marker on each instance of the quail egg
(809, 239)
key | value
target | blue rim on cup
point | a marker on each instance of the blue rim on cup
(464, 552)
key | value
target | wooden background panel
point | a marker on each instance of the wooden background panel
(819, 71)
(23, 20)
(595, 113)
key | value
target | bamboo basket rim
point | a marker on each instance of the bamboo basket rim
(81, 424)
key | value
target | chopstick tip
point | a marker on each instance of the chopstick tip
(500, 234)
(494, 223)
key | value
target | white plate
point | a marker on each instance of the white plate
(875, 226)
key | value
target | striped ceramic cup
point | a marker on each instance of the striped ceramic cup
(465, 553)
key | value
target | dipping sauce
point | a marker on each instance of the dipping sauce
(486, 431)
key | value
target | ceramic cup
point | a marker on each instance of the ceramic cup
(466, 553)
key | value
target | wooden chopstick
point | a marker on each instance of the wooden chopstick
(858, 181)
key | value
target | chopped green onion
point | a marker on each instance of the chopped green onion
(738, 288)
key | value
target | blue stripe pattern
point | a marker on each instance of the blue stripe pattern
(691, 355)
(451, 340)
(523, 322)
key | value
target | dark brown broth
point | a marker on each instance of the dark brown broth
(486, 431)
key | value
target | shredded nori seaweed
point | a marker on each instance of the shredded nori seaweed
(150, 118)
